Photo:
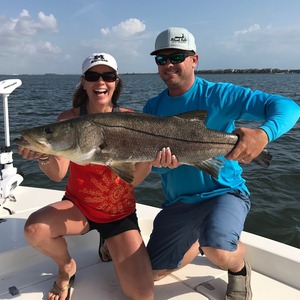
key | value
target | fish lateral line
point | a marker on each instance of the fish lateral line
(169, 137)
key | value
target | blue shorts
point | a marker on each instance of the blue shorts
(216, 222)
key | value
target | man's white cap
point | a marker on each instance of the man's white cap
(175, 38)
(99, 59)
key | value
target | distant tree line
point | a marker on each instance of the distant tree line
(249, 71)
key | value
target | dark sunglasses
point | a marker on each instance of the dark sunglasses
(175, 58)
(94, 76)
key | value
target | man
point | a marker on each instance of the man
(199, 209)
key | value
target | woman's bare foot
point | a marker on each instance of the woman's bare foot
(63, 282)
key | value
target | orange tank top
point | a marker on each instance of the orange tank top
(99, 193)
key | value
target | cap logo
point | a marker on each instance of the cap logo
(179, 39)
(98, 58)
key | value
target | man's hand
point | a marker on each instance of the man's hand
(251, 143)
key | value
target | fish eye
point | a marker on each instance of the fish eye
(48, 130)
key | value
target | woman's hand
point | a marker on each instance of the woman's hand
(29, 154)
(165, 159)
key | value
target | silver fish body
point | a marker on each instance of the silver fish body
(119, 140)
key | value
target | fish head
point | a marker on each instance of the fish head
(78, 139)
(56, 138)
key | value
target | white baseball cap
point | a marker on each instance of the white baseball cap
(99, 59)
(175, 38)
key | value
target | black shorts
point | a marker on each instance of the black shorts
(110, 229)
(116, 227)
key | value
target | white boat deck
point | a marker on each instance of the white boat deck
(276, 267)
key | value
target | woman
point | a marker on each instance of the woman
(95, 197)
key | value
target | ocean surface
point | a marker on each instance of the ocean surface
(275, 192)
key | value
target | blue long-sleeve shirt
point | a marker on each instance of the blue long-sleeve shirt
(225, 104)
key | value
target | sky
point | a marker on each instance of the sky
(38, 37)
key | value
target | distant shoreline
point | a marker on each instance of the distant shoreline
(250, 71)
(237, 71)
(212, 71)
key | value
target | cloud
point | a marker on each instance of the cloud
(47, 47)
(126, 39)
(252, 28)
(260, 46)
(86, 9)
(23, 37)
(47, 22)
(23, 34)
(25, 26)
(125, 29)
(256, 38)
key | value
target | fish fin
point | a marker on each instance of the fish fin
(211, 166)
(263, 159)
(124, 170)
(194, 115)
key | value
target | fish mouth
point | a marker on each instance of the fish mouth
(21, 141)
(30, 143)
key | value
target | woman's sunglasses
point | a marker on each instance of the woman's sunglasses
(175, 58)
(94, 76)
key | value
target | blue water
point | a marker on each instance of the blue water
(275, 191)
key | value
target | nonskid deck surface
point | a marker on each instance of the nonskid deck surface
(33, 275)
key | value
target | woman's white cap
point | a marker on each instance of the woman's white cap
(99, 59)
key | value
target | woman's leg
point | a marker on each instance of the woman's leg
(45, 230)
(132, 264)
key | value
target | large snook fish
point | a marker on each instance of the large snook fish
(119, 140)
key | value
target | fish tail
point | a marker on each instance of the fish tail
(211, 166)
(263, 159)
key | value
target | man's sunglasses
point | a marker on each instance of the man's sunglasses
(94, 76)
(175, 58)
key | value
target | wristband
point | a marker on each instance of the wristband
(44, 160)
